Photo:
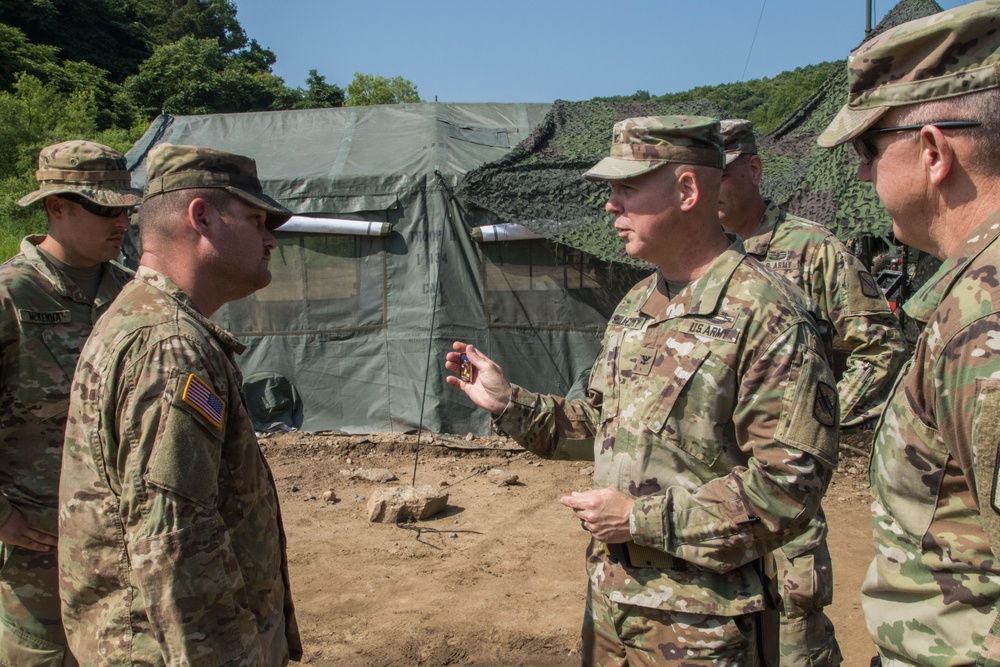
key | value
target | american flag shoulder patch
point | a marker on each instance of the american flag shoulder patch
(200, 396)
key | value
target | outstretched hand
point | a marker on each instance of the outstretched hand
(489, 388)
(17, 531)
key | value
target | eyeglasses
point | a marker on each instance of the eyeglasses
(865, 146)
(96, 209)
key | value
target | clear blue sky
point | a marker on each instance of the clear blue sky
(544, 50)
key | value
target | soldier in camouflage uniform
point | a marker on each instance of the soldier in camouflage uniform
(50, 296)
(923, 113)
(711, 416)
(846, 301)
(171, 548)
(842, 294)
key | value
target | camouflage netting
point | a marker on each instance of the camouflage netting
(539, 183)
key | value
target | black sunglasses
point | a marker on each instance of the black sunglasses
(865, 146)
(96, 209)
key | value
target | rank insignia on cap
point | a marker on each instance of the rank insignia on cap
(825, 407)
(200, 396)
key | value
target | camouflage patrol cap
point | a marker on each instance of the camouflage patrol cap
(93, 171)
(171, 167)
(640, 145)
(737, 139)
(936, 57)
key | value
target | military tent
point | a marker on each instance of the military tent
(352, 331)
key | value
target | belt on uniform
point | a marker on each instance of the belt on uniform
(631, 554)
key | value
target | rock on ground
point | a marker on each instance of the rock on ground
(501, 477)
(403, 503)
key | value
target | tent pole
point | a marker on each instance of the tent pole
(430, 336)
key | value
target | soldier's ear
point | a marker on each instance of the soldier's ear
(55, 206)
(936, 153)
(756, 167)
(198, 216)
(689, 189)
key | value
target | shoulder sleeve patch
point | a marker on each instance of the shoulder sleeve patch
(825, 405)
(868, 285)
(206, 402)
(809, 412)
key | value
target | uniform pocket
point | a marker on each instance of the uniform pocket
(18, 648)
(906, 469)
(43, 380)
(674, 388)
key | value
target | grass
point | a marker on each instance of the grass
(13, 229)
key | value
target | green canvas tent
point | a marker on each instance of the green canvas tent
(352, 331)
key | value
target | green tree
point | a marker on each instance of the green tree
(195, 76)
(105, 33)
(766, 101)
(32, 116)
(172, 20)
(17, 54)
(367, 89)
(319, 94)
(114, 108)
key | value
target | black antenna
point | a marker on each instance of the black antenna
(754, 40)
(868, 18)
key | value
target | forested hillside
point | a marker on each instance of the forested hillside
(103, 69)
(766, 101)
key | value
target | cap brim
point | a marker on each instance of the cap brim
(100, 196)
(613, 169)
(848, 124)
(731, 156)
(277, 214)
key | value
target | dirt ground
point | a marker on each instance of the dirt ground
(497, 578)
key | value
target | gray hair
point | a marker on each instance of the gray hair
(983, 106)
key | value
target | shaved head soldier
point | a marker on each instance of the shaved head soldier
(711, 416)
(50, 296)
(923, 114)
(171, 546)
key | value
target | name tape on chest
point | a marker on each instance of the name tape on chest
(781, 260)
(718, 330)
(781, 266)
(200, 396)
(628, 322)
(44, 317)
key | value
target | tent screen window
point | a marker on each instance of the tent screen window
(544, 284)
(319, 283)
